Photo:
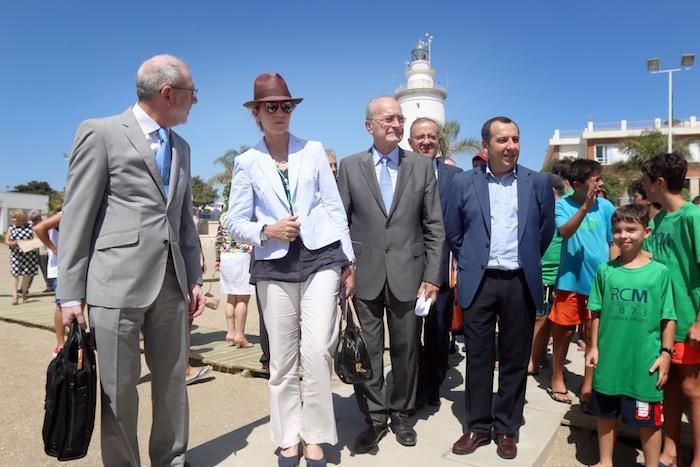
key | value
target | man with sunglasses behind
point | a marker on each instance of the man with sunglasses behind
(129, 250)
(393, 207)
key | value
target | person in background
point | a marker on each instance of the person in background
(233, 265)
(639, 197)
(35, 218)
(550, 267)
(47, 232)
(480, 158)
(22, 264)
(332, 161)
(696, 201)
(435, 348)
(583, 220)
(675, 243)
(303, 255)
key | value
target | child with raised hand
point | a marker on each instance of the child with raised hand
(675, 242)
(632, 329)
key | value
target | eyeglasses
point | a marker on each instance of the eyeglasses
(286, 106)
(390, 119)
(192, 90)
(431, 138)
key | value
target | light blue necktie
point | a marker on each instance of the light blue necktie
(385, 183)
(164, 157)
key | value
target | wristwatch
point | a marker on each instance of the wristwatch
(669, 351)
(263, 235)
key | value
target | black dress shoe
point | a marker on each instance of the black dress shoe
(470, 442)
(369, 439)
(405, 434)
(433, 400)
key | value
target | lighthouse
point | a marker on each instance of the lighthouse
(420, 97)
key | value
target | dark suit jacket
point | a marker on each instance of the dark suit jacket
(446, 174)
(402, 247)
(468, 228)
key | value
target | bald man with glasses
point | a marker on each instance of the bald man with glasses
(393, 208)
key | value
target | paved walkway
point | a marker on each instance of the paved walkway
(437, 430)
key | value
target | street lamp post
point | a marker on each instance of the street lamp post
(653, 66)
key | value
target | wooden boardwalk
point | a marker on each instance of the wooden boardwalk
(208, 347)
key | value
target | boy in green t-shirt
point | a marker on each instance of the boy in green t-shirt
(632, 333)
(675, 242)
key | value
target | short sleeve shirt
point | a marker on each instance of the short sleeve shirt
(675, 242)
(631, 302)
(587, 248)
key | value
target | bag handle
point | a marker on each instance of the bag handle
(347, 303)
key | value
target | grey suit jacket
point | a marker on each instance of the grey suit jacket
(402, 247)
(118, 228)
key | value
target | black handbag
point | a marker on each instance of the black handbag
(71, 388)
(352, 362)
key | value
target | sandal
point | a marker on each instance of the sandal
(202, 374)
(557, 396)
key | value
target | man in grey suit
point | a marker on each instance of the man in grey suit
(129, 250)
(393, 207)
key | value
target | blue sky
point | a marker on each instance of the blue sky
(545, 64)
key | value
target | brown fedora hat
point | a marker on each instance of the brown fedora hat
(271, 87)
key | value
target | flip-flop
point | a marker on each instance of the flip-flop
(202, 373)
(553, 395)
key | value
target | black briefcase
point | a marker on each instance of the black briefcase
(71, 388)
(352, 362)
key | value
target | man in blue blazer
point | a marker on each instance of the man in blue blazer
(435, 349)
(499, 220)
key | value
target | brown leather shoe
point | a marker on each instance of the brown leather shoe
(470, 442)
(506, 447)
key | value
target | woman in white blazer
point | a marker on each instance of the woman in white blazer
(285, 202)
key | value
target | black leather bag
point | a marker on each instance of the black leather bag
(71, 388)
(352, 363)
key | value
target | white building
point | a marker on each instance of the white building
(601, 141)
(26, 201)
(420, 97)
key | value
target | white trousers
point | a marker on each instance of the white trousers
(289, 307)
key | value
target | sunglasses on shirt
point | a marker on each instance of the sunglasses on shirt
(286, 107)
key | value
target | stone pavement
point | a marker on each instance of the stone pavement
(436, 429)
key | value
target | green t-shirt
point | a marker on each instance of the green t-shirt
(631, 303)
(552, 256)
(550, 260)
(675, 242)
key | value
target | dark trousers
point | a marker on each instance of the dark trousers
(502, 294)
(401, 320)
(264, 342)
(435, 350)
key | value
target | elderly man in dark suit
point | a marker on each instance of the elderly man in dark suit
(391, 199)
(129, 249)
(424, 139)
(499, 220)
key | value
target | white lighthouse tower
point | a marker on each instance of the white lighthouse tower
(421, 97)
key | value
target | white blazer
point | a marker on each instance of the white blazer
(257, 193)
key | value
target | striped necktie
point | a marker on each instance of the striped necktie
(164, 157)
(385, 185)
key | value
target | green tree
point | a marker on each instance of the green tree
(224, 177)
(56, 201)
(450, 144)
(647, 145)
(35, 187)
(203, 193)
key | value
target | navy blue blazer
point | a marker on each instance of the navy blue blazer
(467, 220)
(445, 176)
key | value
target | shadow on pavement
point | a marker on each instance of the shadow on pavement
(219, 449)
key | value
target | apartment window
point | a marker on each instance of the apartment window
(606, 153)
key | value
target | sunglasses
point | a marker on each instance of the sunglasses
(286, 107)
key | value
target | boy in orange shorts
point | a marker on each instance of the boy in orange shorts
(584, 222)
(675, 242)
